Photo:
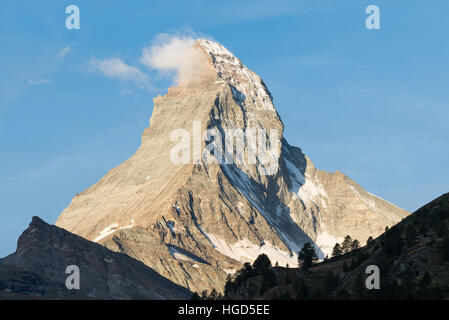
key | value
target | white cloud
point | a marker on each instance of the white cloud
(173, 56)
(116, 68)
(178, 57)
(64, 52)
(40, 81)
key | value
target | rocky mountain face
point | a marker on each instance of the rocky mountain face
(412, 257)
(38, 270)
(193, 208)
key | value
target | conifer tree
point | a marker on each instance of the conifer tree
(262, 263)
(337, 250)
(346, 244)
(355, 244)
(213, 295)
(195, 296)
(307, 256)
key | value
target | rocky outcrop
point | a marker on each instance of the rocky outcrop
(38, 270)
(195, 220)
(412, 259)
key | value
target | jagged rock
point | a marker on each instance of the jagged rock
(221, 214)
(37, 269)
(402, 260)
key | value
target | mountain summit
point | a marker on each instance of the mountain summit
(214, 184)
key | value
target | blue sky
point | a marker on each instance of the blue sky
(373, 104)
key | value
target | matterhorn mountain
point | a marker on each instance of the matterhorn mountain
(191, 216)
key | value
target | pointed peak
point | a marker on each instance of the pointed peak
(37, 221)
(217, 50)
(247, 85)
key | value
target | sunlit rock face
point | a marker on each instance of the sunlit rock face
(193, 219)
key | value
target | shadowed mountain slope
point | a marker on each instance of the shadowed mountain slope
(412, 256)
(37, 270)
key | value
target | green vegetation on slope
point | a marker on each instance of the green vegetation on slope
(412, 256)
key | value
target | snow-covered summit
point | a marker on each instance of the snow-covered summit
(270, 199)
(230, 69)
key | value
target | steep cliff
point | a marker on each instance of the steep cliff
(194, 209)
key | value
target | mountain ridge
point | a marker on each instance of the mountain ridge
(412, 257)
(38, 269)
(223, 213)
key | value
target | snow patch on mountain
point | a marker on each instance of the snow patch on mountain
(246, 251)
(304, 188)
(106, 232)
(179, 255)
(326, 243)
(111, 229)
(232, 70)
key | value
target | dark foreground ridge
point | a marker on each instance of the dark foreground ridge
(37, 270)
(412, 256)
